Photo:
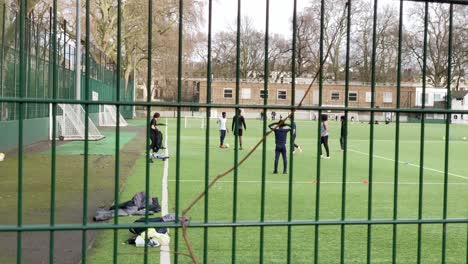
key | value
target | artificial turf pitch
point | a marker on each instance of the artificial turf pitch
(304, 187)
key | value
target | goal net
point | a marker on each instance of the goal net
(194, 122)
(70, 123)
(108, 116)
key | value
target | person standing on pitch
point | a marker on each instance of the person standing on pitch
(222, 129)
(155, 134)
(280, 140)
(324, 136)
(237, 123)
(344, 133)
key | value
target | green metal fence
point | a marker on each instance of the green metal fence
(48, 73)
(38, 66)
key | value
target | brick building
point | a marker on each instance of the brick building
(252, 93)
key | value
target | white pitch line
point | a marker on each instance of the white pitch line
(410, 164)
(165, 256)
(324, 182)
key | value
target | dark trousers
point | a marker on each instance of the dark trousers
(281, 149)
(324, 142)
(154, 140)
(222, 136)
(342, 142)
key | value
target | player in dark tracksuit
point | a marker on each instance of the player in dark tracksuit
(280, 140)
(155, 134)
(238, 122)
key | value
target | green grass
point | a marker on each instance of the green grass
(192, 174)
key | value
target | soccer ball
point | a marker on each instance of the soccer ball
(2, 156)
(464, 138)
(227, 145)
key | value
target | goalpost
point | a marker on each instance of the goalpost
(194, 122)
(70, 123)
(108, 116)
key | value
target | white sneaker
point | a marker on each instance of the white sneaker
(300, 149)
(326, 157)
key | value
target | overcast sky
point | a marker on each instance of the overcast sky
(225, 13)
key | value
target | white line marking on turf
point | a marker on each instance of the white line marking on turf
(165, 257)
(409, 164)
(324, 182)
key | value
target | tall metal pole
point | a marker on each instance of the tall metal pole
(78, 51)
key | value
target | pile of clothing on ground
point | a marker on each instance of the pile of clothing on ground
(157, 236)
(136, 206)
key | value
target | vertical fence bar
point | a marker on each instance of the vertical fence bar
(264, 127)
(2, 52)
(28, 64)
(319, 145)
(36, 76)
(421, 150)
(371, 143)
(397, 137)
(293, 130)
(117, 132)
(344, 137)
(64, 72)
(447, 134)
(22, 86)
(86, 123)
(236, 127)
(179, 100)
(207, 135)
(148, 114)
(54, 128)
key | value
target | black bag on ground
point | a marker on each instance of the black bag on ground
(139, 230)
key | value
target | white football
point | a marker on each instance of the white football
(464, 138)
(2, 156)
(227, 145)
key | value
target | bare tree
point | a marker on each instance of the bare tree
(437, 42)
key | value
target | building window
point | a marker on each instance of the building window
(352, 97)
(282, 95)
(368, 97)
(335, 96)
(227, 92)
(388, 97)
(246, 93)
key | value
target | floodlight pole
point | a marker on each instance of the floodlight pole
(78, 51)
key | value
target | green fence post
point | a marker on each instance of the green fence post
(22, 88)
(207, 135)
(264, 124)
(117, 132)
(421, 149)
(2, 54)
(447, 135)
(87, 83)
(179, 100)
(397, 137)
(293, 130)
(54, 130)
(319, 146)
(148, 114)
(236, 140)
(345, 139)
